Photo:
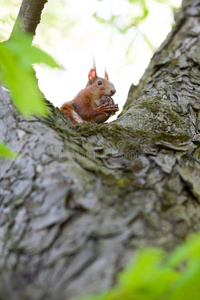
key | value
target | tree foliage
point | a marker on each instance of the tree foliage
(16, 71)
(133, 19)
(156, 275)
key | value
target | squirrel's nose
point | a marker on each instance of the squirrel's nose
(112, 92)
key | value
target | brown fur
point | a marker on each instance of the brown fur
(86, 107)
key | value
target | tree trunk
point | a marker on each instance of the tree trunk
(80, 199)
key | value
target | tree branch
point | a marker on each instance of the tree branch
(28, 18)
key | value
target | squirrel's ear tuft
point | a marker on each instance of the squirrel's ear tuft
(92, 74)
(106, 75)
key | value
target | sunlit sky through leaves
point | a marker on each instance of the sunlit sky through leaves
(70, 33)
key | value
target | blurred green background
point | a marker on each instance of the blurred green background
(121, 35)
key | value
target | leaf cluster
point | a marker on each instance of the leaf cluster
(136, 14)
(155, 275)
(17, 74)
(114, 19)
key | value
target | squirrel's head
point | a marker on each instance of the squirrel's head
(99, 86)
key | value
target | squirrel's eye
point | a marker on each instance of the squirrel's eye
(99, 82)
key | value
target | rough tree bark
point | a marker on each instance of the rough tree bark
(80, 199)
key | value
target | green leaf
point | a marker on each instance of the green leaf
(16, 71)
(6, 152)
(188, 285)
(27, 55)
(146, 276)
(152, 275)
(21, 82)
(112, 19)
(99, 19)
(190, 249)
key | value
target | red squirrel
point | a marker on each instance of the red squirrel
(87, 105)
